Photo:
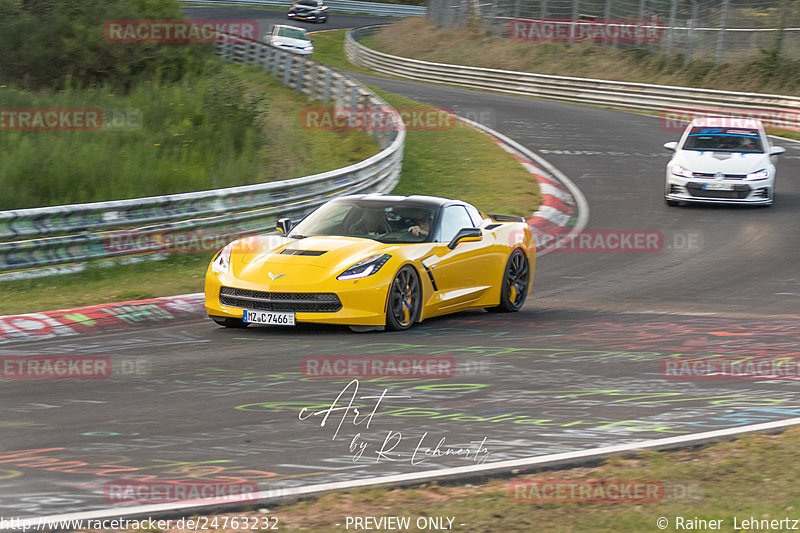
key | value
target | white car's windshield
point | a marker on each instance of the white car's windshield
(702, 139)
(380, 221)
(293, 33)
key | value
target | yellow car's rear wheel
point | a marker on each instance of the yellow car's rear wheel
(405, 300)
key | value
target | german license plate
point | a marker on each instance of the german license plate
(717, 186)
(268, 318)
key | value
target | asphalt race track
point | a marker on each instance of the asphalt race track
(580, 367)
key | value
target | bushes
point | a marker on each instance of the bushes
(61, 43)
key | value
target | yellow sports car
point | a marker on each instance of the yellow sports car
(374, 261)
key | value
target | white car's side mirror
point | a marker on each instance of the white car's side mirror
(671, 146)
(777, 150)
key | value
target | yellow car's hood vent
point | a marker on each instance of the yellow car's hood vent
(295, 251)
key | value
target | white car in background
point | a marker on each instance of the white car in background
(291, 39)
(724, 160)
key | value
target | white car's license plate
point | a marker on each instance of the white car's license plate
(717, 186)
(269, 318)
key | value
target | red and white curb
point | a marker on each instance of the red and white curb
(90, 319)
(564, 208)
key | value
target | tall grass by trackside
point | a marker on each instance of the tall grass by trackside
(233, 126)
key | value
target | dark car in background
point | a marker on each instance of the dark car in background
(311, 10)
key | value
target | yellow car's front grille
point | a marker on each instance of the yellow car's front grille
(304, 302)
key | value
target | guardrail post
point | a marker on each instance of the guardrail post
(276, 65)
(326, 87)
(642, 15)
(301, 74)
(573, 26)
(340, 92)
(673, 11)
(255, 53)
(692, 32)
(227, 51)
(267, 59)
(288, 65)
(723, 24)
(778, 41)
(354, 97)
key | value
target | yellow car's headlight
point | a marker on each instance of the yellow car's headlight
(365, 267)
(222, 262)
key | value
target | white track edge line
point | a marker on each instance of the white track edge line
(428, 474)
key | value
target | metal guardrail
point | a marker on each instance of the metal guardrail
(732, 31)
(347, 6)
(40, 241)
(775, 110)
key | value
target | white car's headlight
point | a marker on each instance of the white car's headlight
(222, 263)
(308, 48)
(682, 172)
(758, 175)
(365, 267)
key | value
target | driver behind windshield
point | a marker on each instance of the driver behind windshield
(421, 228)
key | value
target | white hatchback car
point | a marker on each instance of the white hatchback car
(291, 39)
(724, 160)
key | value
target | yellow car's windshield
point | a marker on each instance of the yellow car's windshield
(380, 221)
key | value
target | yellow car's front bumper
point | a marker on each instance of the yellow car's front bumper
(363, 301)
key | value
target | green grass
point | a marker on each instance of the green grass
(231, 128)
(433, 165)
(329, 50)
(178, 274)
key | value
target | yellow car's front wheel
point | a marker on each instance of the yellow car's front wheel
(516, 279)
(405, 300)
